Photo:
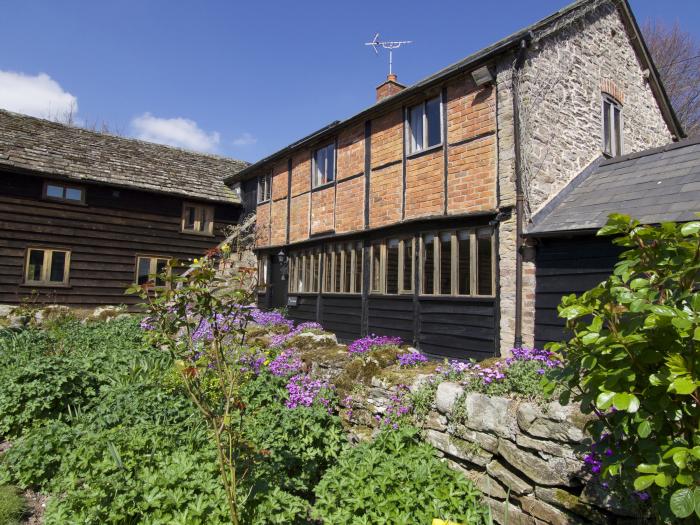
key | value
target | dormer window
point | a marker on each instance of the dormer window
(612, 127)
(264, 188)
(425, 125)
(57, 191)
(323, 165)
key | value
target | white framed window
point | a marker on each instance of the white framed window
(198, 219)
(47, 267)
(58, 191)
(323, 165)
(425, 125)
(149, 269)
(612, 127)
(264, 188)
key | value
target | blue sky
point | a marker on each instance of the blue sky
(242, 79)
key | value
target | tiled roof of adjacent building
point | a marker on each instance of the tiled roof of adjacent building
(653, 186)
(41, 146)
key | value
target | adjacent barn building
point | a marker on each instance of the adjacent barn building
(653, 186)
(83, 215)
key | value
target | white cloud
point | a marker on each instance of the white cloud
(39, 96)
(180, 132)
(245, 139)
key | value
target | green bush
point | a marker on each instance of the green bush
(634, 361)
(396, 479)
(12, 505)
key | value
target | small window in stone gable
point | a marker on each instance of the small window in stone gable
(612, 127)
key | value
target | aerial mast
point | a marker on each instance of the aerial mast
(388, 45)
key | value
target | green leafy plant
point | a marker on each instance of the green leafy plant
(201, 320)
(396, 479)
(633, 360)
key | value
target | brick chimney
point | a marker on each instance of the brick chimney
(389, 87)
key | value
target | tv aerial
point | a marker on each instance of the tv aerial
(388, 45)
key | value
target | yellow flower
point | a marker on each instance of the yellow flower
(267, 362)
(438, 521)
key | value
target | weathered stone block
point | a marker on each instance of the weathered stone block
(436, 421)
(537, 469)
(458, 448)
(549, 447)
(491, 414)
(481, 480)
(516, 485)
(446, 395)
(546, 512)
(515, 516)
(485, 441)
(566, 500)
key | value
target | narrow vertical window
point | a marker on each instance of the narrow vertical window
(445, 263)
(434, 123)
(464, 262)
(347, 268)
(612, 127)
(264, 188)
(392, 266)
(428, 277)
(323, 165)
(407, 265)
(485, 262)
(328, 271)
(425, 125)
(262, 269)
(337, 268)
(415, 120)
(358, 268)
(376, 268)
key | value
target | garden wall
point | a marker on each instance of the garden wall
(526, 457)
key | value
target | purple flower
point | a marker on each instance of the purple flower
(534, 354)
(643, 496)
(411, 359)
(272, 318)
(303, 390)
(371, 342)
(280, 339)
(287, 363)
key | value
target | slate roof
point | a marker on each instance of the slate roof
(37, 145)
(653, 186)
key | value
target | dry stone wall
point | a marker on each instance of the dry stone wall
(526, 457)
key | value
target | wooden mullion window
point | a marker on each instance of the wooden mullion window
(148, 266)
(197, 219)
(47, 267)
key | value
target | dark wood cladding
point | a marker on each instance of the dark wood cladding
(342, 314)
(566, 266)
(458, 328)
(104, 236)
(305, 310)
(391, 315)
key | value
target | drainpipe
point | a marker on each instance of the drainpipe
(519, 199)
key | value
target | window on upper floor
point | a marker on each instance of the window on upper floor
(323, 165)
(63, 192)
(425, 125)
(47, 267)
(198, 218)
(264, 188)
(612, 127)
(149, 270)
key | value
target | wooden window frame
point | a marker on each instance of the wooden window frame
(64, 186)
(617, 143)
(46, 270)
(152, 266)
(454, 263)
(264, 192)
(263, 269)
(410, 147)
(314, 160)
(202, 212)
(402, 265)
(381, 245)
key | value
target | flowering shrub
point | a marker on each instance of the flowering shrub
(372, 342)
(303, 390)
(272, 318)
(410, 359)
(281, 339)
(634, 349)
(286, 363)
(399, 409)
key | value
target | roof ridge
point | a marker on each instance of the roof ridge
(80, 129)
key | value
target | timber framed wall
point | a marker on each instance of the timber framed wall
(104, 235)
